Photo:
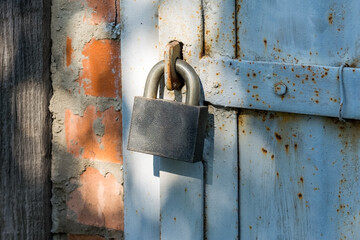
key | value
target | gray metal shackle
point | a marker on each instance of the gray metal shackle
(189, 75)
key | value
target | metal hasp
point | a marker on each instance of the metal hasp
(172, 53)
(167, 128)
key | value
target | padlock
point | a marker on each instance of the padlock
(167, 128)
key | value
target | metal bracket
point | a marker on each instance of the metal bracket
(172, 53)
(305, 89)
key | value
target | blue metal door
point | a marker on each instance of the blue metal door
(280, 77)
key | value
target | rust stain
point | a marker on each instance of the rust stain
(272, 157)
(330, 18)
(300, 196)
(264, 151)
(265, 44)
(295, 146)
(301, 179)
(287, 148)
(278, 136)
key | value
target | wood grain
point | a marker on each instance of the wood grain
(25, 123)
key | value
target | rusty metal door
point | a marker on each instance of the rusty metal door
(280, 161)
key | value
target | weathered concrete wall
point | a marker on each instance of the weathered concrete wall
(86, 106)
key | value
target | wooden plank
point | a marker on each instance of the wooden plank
(25, 122)
(181, 184)
(221, 148)
(139, 50)
(310, 89)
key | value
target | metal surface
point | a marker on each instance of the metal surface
(310, 89)
(171, 54)
(168, 129)
(139, 53)
(182, 195)
(221, 143)
(299, 174)
(190, 77)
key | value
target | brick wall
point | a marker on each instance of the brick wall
(87, 128)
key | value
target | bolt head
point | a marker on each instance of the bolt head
(280, 89)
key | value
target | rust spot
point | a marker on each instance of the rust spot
(331, 18)
(264, 151)
(267, 129)
(292, 69)
(301, 179)
(278, 136)
(277, 174)
(185, 189)
(248, 75)
(248, 91)
(174, 219)
(287, 147)
(297, 75)
(217, 74)
(300, 195)
(255, 87)
(254, 74)
(265, 43)
(250, 227)
(272, 157)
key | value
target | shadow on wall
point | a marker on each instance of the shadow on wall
(86, 107)
(25, 123)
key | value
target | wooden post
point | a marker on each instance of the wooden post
(25, 122)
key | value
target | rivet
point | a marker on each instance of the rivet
(280, 88)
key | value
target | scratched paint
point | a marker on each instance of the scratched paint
(298, 173)
(309, 32)
(299, 176)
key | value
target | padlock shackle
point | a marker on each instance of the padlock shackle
(189, 75)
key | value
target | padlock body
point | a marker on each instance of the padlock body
(168, 129)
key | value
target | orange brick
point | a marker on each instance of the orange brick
(100, 76)
(103, 11)
(81, 138)
(69, 51)
(98, 202)
(84, 237)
